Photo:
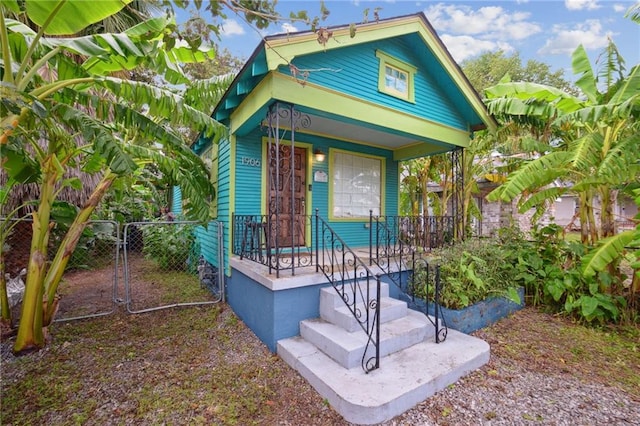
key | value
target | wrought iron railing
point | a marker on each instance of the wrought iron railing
(398, 244)
(356, 284)
(423, 233)
(255, 238)
(423, 293)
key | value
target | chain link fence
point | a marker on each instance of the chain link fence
(167, 266)
(143, 265)
(89, 286)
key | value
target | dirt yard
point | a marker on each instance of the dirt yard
(202, 365)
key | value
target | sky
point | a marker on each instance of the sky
(547, 31)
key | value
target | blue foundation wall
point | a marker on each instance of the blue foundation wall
(272, 315)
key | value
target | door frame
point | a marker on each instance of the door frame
(264, 194)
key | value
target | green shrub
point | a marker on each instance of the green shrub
(470, 271)
(550, 269)
(169, 245)
(547, 266)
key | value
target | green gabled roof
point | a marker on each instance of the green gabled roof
(282, 49)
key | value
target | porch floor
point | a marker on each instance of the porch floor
(403, 380)
(299, 276)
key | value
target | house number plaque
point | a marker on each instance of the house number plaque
(248, 161)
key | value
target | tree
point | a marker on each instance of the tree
(61, 108)
(484, 71)
(490, 68)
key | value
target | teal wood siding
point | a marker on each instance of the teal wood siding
(224, 191)
(208, 237)
(358, 76)
(176, 201)
(208, 240)
(248, 174)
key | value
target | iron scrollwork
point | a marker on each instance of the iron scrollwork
(355, 283)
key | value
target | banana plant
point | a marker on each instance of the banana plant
(613, 248)
(589, 139)
(62, 107)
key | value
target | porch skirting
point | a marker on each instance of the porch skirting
(273, 307)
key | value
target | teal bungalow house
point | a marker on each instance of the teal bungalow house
(308, 180)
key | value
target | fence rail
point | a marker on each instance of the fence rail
(258, 238)
(142, 265)
(164, 267)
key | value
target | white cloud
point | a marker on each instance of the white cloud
(619, 8)
(464, 46)
(590, 34)
(488, 23)
(231, 27)
(289, 28)
(581, 4)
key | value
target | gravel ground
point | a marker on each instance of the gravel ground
(543, 370)
(503, 393)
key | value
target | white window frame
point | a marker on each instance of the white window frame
(357, 185)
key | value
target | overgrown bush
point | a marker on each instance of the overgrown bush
(470, 271)
(547, 266)
(550, 269)
(170, 245)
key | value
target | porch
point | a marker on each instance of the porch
(331, 312)
(287, 279)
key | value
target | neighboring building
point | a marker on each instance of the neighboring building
(563, 212)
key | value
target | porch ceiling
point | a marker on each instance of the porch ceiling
(352, 132)
(404, 145)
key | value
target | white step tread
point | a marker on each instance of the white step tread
(404, 379)
(347, 347)
(390, 309)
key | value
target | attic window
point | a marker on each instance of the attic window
(395, 77)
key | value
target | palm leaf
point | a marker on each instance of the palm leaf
(163, 103)
(614, 64)
(72, 16)
(104, 139)
(202, 94)
(587, 81)
(533, 175)
(607, 251)
(618, 164)
(630, 87)
(586, 151)
(633, 13)
(186, 170)
(541, 197)
(11, 5)
(525, 90)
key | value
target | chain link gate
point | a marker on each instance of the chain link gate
(172, 263)
(134, 267)
(89, 286)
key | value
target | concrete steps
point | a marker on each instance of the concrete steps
(347, 347)
(329, 351)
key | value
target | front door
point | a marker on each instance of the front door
(287, 190)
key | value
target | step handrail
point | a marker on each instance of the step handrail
(405, 254)
(348, 274)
